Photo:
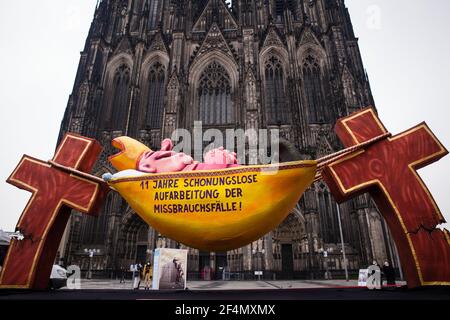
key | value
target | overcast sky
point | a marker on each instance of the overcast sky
(405, 46)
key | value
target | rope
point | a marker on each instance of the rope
(334, 156)
(324, 161)
(76, 172)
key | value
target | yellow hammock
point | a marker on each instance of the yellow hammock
(220, 210)
(217, 210)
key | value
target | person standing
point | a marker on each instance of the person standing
(148, 275)
(122, 274)
(389, 274)
(137, 276)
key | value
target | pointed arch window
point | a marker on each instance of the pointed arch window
(279, 8)
(313, 89)
(215, 103)
(120, 96)
(329, 225)
(137, 9)
(138, 6)
(275, 92)
(154, 9)
(155, 96)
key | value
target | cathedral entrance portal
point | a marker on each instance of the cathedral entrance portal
(135, 241)
(287, 245)
(204, 265)
(287, 262)
(211, 267)
(141, 254)
(221, 264)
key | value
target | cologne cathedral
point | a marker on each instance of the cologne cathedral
(151, 66)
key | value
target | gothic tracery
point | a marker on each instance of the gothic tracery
(314, 94)
(215, 102)
(120, 91)
(276, 107)
(155, 99)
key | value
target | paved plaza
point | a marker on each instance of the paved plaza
(104, 289)
(229, 285)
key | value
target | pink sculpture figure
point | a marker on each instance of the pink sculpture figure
(167, 160)
(135, 158)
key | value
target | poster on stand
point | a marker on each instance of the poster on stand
(362, 278)
(169, 269)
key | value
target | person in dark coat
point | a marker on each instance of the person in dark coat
(389, 273)
(122, 274)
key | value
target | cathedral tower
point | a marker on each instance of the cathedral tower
(151, 66)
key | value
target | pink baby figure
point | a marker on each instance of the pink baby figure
(220, 156)
(167, 160)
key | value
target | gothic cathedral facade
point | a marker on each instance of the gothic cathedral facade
(151, 66)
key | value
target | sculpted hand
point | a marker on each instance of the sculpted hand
(220, 156)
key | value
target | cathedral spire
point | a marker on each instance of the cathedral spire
(215, 11)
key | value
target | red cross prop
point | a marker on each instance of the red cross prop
(55, 192)
(387, 170)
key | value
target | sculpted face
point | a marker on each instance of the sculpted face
(220, 156)
(164, 160)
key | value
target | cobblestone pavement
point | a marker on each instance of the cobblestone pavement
(232, 290)
(229, 285)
